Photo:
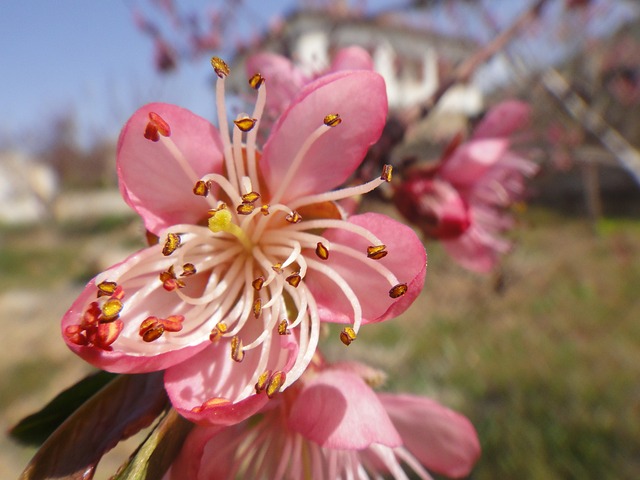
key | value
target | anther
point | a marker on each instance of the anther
(275, 382)
(151, 329)
(218, 331)
(107, 333)
(322, 251)
(160, 123)
(245, 208)
(258, 283)
(283, 328)
(256, 81)
(237, 353)
(172, 323)
(347, 335)
(75, 335)
(293, 217)
(264, 209)
(294, 279)
(220, 67)
(245, 124)
(169, 280)
(201, 188)
(277, 268)
(257, 307)
(332, 120)
(398, 290)
(111, 309)
(106, 288)
(387, 170)
(261, 384)
(250, 197)
(377, 252)
(171, 244)
(188, 269)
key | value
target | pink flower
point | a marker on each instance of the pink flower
(253, 253)
(464, 200)
(286, 79)
(331, 424)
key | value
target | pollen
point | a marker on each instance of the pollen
(171, 244)
(201, 188)
(347, 335)
(387, 170)
(332, 120)
(220, 67)
(398, 290)
(245, 124)
(245, 208)
(283, 328)
(275, 382)
(258, 283)
(188, 269)
(294, 279)
(321, 251)
(106, 288)
(218, 331)
(377, 252)
(264, 209)
(261, 384)
(256, 81)
(111, 309)
(250, 197)
(237, 352)
(257, 307)
(293, 217)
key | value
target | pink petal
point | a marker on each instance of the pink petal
(472, 160)
(406, 259)
(442, 440)
(188, 465)
(476, 250)
(214, 374)
(361, 100)
(129, 353)
(352, 58)
(338, 410)
(503, 120)
(152, 181)
(283, 79)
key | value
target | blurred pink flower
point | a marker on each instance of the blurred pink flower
(464, 200)
(254, 252)
(331, 424)
(286, 79)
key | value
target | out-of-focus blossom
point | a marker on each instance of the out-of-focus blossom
(332, 424)
(254, 252)
(286, 79)
(464, 200)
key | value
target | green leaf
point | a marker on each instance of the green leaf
(36, 428)
(123, 407)
(153, 458)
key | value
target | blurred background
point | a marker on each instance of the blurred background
(542, 354)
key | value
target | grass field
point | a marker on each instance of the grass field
(544, 360)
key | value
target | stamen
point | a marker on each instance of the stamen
(188, 269)
(264, 209)
(171, 244)
(245, 208)
(387, 170)
(220, 67)
(151, 329)
(277, 268)
(275, 382)
(398, 290)
(336, 195)
(341, 224)
(161, 125)
(111, 309)
(332, 120)
(106, 288)
(322, 251)
(256, 81)
(237, 353)
(217, 332)
(283, 328)
(261, 384)
(257, 307)
(347, 335)
(377, 252)
(293, 217)
(250, 197)
(245, 124)
(201, 188)
(258, 282)
(294, 279)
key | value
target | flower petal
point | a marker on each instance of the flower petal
(407, 260)
(472, 160)
(152, 181)
(192, 463)
(360, 98)
(213, 374)
(442, 440)
(352, 58)
(337, 410)
(503, 120)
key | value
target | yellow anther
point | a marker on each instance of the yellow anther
(201, 188)
(277, 268)
(218, 331)
(387, 170)
(377, 251)
(332, 120)
(188, 269)
(220, 67)
(258, 282)
(250, 197)
(237, 353)
(245, 208)
(283, 328)
(111, 309)
(171, 244)
(256, 81)
(398, 290)
(245, 124)
(293, 217)
(264, 209)
(261, 384)
(347, 335)
(322, 251)
(220, 221)
(294, 279)
(106, 288)
(257, 307)
(275, 382)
